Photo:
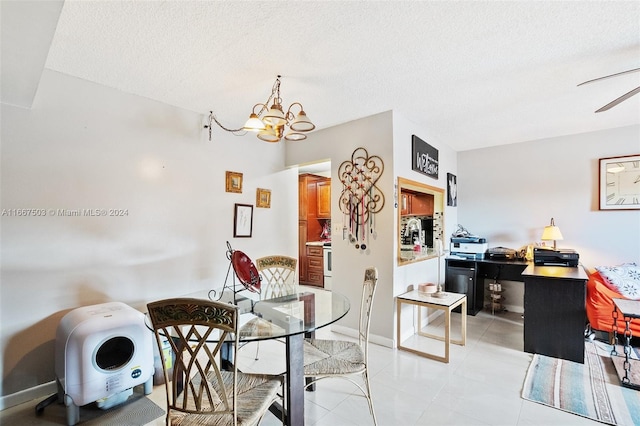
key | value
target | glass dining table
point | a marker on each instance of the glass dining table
(291, 318)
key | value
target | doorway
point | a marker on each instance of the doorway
(314, 222)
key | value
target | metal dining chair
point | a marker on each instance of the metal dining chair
(198, 390)
(324, 359)
(278, 274)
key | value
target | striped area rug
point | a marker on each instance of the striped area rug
(591, 389)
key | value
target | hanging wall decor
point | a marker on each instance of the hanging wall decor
(424, 157)
(233, 182)
(242, 220)
(452, 190)
(263, 198)
(360, 199)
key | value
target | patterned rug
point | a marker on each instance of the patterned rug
(590, 390)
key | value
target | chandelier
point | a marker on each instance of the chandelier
(271, 122)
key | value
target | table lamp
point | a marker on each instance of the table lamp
(551, 233)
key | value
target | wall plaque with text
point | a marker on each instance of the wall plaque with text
(425, 157)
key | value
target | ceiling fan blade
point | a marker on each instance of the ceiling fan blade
(609, 76)
(620, 99)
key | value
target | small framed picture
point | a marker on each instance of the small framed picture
(452, 190)
(263, 198)
(242, 220)
(233, 182)
(619, 183)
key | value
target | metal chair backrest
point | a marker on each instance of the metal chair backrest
(278, 276)
(196, 329)
(366, 303)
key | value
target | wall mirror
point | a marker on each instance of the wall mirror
(420, 220)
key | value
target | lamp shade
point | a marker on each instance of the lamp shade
(254, 124)
(302, 123)
(295, 136)
(268, 135)
(275, 116)
(551, 233)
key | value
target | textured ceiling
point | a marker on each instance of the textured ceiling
(473, 74)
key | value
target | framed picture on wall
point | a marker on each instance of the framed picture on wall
(452, 190)
(242, 220)
(263, 198)
(619, 183)
(233, 182)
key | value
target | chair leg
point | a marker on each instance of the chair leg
(369, 398)
(257, 349)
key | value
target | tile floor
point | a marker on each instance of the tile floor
(480, 386)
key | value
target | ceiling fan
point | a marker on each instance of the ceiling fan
(621, 98)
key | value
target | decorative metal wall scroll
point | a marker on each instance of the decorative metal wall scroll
(360, 199)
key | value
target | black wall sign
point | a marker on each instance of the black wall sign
(425, 157)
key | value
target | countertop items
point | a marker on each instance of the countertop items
(409, 253)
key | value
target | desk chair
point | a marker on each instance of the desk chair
(278, 279)
(198, 391)
(325, 359)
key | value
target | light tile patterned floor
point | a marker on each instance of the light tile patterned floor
(480, 386)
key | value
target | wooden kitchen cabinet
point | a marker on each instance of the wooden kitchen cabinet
(314, 209)
(302, 251)
(416, 204)
(404, 204)
(422, 205)
(323, 195)
(315, 266)
(302, 199)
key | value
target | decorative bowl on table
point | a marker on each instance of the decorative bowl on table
(246, 271)
(427, 288)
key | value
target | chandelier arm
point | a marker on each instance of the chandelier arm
(263, 109)
(213, 117)
(289, 116)
(296, 103)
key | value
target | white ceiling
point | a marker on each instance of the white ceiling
(473, 74)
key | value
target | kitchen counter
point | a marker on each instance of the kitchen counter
(319, 243)
(409, 255)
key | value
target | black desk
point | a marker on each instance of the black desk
(555, 312)
(554, 300)
(467, 276)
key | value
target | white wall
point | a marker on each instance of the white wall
(338, 143)
(413, 274)
(85, 146)
(509, 193)
(387, 135)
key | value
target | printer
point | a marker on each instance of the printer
(471, 247)
(550, 257)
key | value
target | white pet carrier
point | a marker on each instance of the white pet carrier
(102, 352)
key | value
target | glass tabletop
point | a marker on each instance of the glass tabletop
(628, 308)
(309, 309)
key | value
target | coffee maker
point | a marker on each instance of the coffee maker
(426, 238)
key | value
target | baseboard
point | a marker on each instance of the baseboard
(514, 308)
(375, 339)
(41, 391)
